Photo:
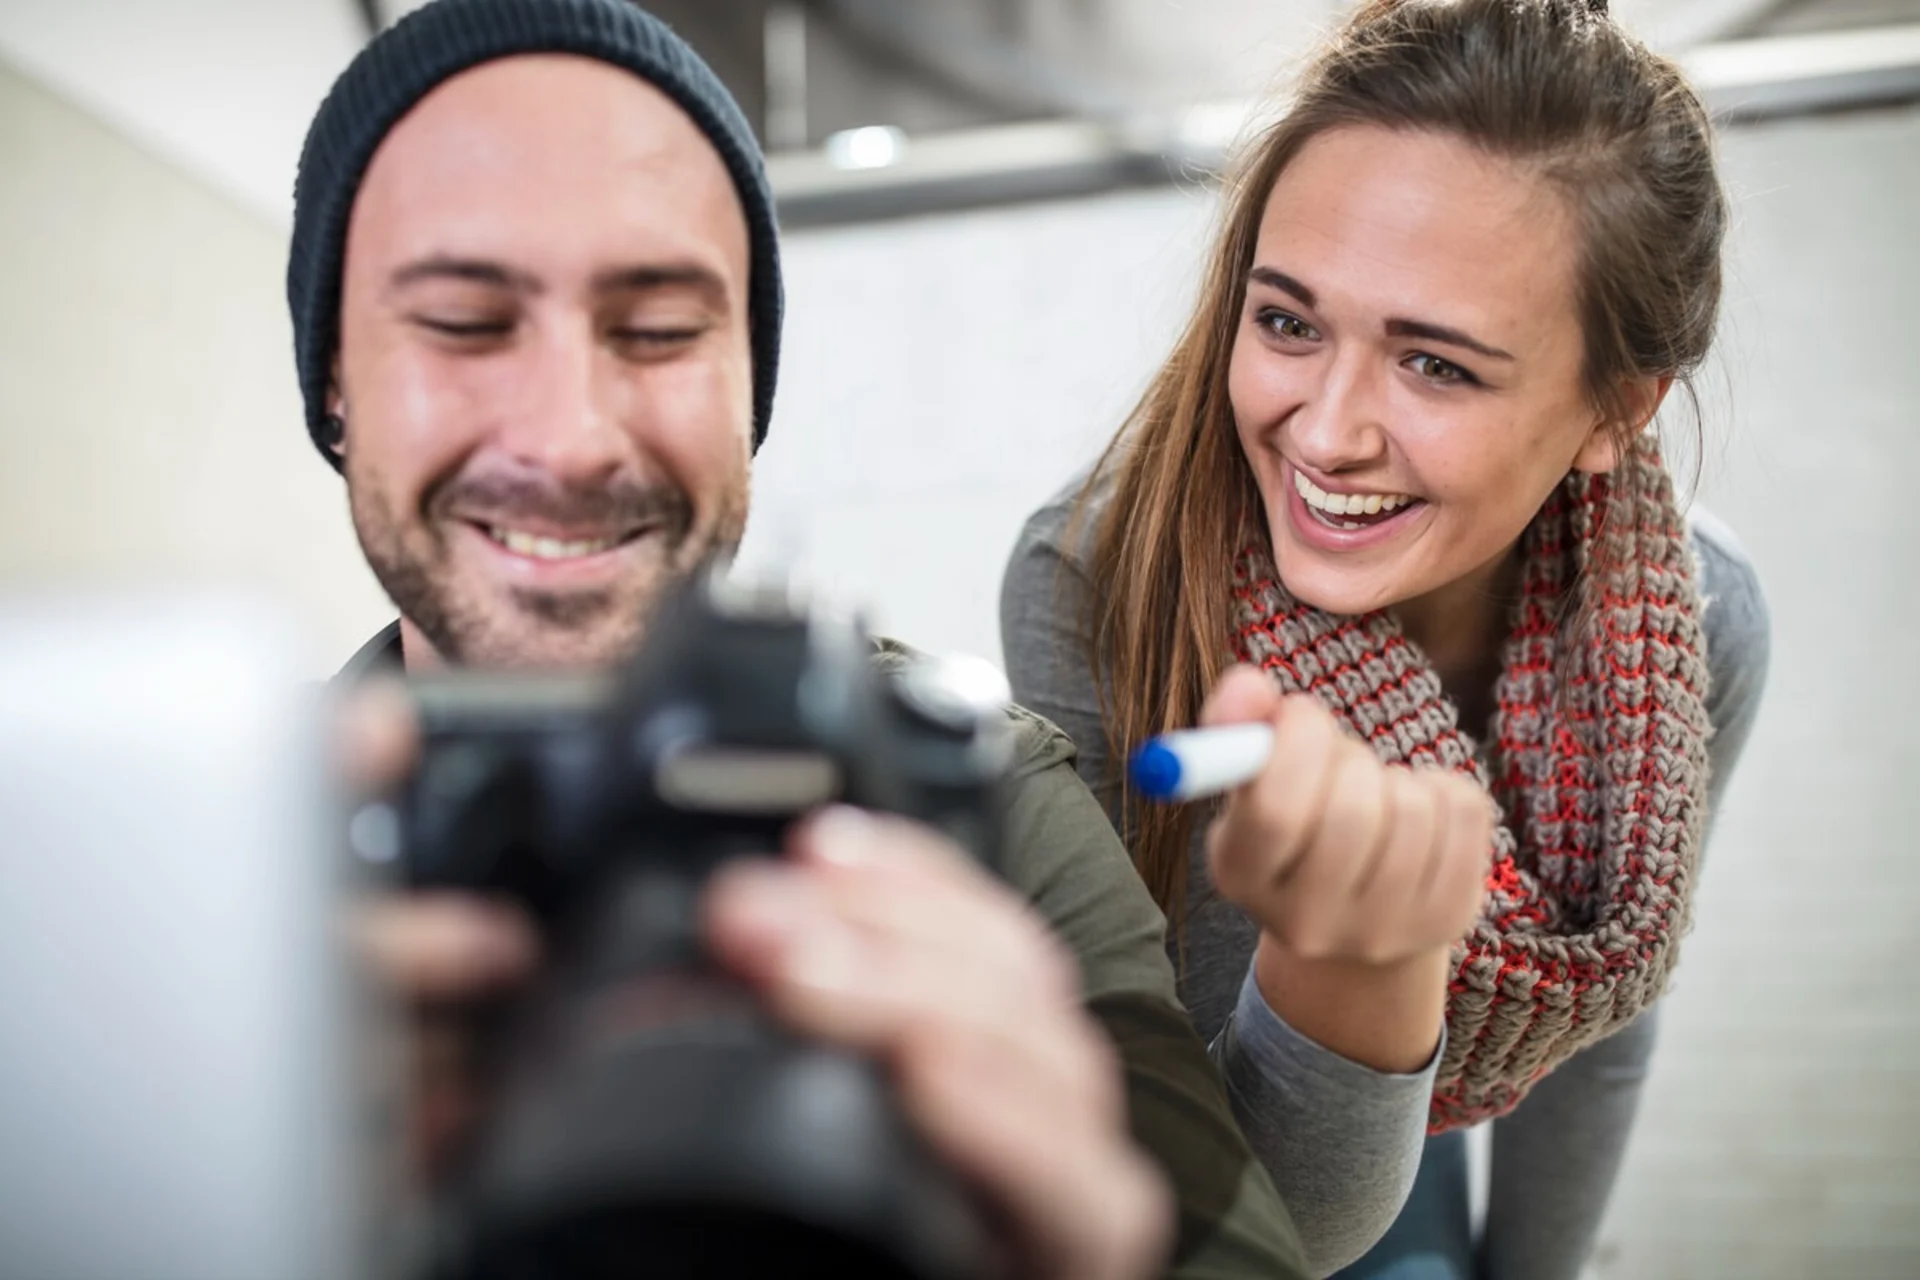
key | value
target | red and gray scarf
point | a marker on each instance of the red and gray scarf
(1598, 764)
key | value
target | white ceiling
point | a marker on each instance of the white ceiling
(226, 87)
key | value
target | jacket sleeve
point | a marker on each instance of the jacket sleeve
(1064, 855)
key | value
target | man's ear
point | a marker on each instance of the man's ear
(335, 424)
(1600, 452)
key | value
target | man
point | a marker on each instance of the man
(536, 296)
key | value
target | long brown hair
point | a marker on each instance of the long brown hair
(1551, 85)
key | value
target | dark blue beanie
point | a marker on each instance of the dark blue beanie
(432, 44)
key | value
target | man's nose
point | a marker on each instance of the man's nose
(567, 424)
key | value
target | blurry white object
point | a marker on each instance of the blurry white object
(871, 146)
(172, 1074)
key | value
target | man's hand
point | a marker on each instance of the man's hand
(438, 955)
(879, 935)
(875, 934)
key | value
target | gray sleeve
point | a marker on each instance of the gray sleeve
(1341, 1141)
(1739, 633)
(1042, 605)
(1557, 1155)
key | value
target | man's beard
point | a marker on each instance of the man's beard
(475, 622)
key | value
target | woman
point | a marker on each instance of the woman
(1400, 462)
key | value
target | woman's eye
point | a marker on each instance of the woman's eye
(1285, 325)
(1434, 369)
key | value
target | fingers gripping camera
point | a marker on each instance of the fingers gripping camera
(644, 1106)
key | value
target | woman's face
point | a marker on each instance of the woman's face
(1406, 376)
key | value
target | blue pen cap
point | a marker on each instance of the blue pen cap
(1155, 771)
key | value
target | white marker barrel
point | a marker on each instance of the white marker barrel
(1192, 763)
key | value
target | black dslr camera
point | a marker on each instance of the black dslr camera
(647, 1117)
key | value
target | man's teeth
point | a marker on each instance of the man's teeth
(1348, 504)
(527, 544)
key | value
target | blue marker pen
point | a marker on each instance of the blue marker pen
(1192, 763)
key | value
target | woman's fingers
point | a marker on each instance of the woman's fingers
(1338, 855)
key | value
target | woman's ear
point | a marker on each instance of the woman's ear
(1600, 453)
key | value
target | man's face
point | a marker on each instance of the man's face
(544, 363)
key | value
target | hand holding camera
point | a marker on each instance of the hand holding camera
(634, 1087)
(881, 936)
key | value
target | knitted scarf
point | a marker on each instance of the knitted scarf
(1598, 766)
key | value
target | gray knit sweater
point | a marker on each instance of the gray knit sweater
(1341, 1140)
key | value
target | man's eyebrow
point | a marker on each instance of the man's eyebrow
(1284, 283)
(633, 279)
(472, 270)
(657, 276)
(1441, 333)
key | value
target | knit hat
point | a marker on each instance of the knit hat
(433, 44)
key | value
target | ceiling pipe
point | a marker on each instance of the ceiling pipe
(993, 71)
(1742, 82)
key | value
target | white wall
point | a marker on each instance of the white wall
(944, 376)
(150, 427)
(224, 88)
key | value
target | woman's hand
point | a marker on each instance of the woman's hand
(1361, 876)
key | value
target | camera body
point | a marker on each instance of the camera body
(646, 1117)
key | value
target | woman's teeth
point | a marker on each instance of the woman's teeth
(527, 544)
(1324, 504)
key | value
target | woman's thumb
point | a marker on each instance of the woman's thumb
(1243, 695)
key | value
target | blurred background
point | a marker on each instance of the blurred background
(995, 210)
